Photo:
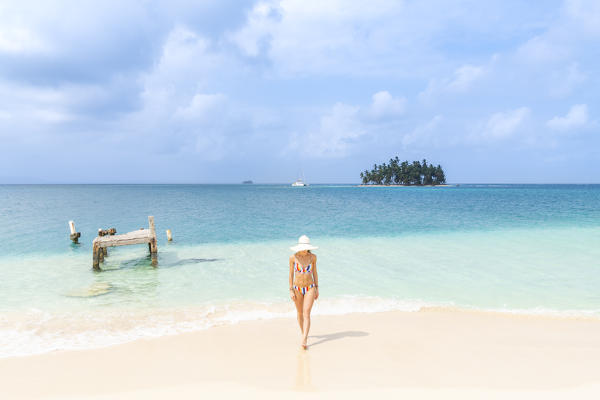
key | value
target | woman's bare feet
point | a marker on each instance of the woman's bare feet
(304, 345)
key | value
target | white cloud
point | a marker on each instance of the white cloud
(202, 106)
(336, 132)
(566, 80)
(261, 21)
(18, 39)
(341, 128)
(384, 104)
(31, 107)
(185, 66)
(566, 37)
(464, 77)
(543, 49)
(186, 63)
(51, 116)
(585, 13)
(304, 37)
(575, 118)
(423, 133)
(176, 110)
(502, 125)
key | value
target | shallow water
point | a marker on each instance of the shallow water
(516, 248)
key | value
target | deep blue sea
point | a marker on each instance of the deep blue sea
(510, 248)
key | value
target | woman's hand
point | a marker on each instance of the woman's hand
(293, 294)
(316, 293)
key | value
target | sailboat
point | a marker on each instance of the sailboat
(300, 182)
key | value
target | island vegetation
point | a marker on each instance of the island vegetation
(405, 173)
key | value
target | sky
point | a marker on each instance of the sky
(227, 90)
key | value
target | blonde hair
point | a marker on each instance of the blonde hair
(308, 251)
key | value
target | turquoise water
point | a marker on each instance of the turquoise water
(513, 248)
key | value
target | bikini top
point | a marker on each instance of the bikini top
(300, 269)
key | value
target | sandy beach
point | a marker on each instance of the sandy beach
(434, 353)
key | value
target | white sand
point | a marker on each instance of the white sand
(421, 355)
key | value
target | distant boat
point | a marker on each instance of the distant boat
(300, 182)
(247, 182)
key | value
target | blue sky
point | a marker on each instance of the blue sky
(223, 91)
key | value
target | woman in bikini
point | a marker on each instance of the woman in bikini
(304, 283)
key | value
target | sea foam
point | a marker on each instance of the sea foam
(37, 332)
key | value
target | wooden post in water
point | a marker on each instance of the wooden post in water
(169, 235)
(105, 232)
(96, 256)
(74, 235)
(152, 245)
(103, 251)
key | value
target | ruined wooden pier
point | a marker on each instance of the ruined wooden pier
(136, 237)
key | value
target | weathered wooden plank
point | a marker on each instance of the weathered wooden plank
(123, 241)
(135, 237)
(134, 234)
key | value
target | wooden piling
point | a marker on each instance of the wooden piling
(96, 256)
(74, 236)
(153, 247)
(152, 244)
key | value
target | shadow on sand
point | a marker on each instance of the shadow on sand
(335, 336)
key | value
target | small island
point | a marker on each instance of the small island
(247, 182)
(396, 173)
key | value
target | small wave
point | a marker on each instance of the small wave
(37, 332)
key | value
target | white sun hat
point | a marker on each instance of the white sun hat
(303, 244)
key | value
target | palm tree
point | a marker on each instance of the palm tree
(416, 173)
(440, 178)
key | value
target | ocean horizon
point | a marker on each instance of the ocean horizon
(514, 248)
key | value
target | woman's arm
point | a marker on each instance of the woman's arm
(316, 277)
(292, 292)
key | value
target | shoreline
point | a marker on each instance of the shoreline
(76, 332)
(426, 353)
(71, 331)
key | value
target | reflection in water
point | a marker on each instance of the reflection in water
(303, 378)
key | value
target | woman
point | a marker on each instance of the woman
(304, 283)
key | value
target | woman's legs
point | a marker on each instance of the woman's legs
(299, 301)
(309, 299)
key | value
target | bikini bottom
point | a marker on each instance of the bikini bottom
(304, 289)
